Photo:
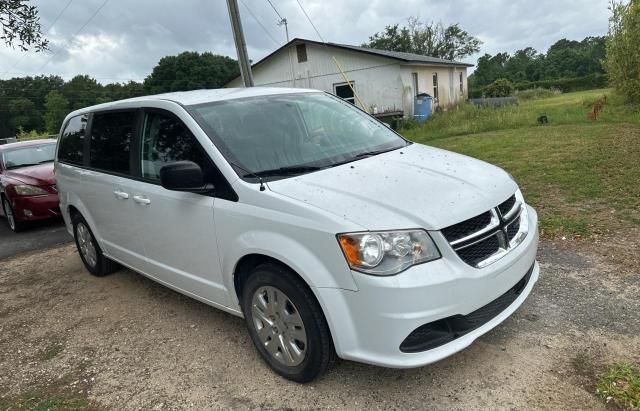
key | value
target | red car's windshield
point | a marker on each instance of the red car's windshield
(28, 156)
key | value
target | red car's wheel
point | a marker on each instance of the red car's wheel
(14, 225)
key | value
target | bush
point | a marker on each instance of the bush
(537, 93)
(623, 52)
(565, 85)
(29, 135)
(499, 88)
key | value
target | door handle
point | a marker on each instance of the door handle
(141, 200)
(121, 194)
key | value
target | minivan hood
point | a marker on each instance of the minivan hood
(40, 175)
(413, 187)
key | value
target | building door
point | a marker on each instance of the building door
(452, 89)
(345, 92)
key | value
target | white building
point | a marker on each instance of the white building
(384, 81)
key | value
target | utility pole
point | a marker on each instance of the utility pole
(286, 29)
(241, 45)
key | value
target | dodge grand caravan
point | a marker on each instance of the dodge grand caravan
(328, 232)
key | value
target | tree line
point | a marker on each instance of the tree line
(41, 103)
(565, 59)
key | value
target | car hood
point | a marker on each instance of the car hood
(40, 175)
(416, 186)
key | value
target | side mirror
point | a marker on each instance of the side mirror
(184, 176)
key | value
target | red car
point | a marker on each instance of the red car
(27, 186)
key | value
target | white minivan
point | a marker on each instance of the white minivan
(327, 231)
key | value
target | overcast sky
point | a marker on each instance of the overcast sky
(126, 38)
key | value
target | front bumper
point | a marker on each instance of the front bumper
(33, 208)
(371, 324)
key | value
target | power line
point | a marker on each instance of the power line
(95, 13)
(276, 10)
(259, 23)
(309, 18)
(58, 16)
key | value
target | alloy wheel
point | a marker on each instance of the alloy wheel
(85, 244)
(8, 212)
(279, 325)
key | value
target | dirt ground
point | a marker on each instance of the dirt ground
(70, 340)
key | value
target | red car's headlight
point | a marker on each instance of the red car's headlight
(27, 190)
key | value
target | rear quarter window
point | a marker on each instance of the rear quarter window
(72, 141)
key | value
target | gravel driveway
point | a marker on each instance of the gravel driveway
(123, 342)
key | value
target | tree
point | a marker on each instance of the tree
(191, 71)
(623, 52)
(489, 69)
(428, 39)
(82, 91)
(23, 114)
(57, 107)
(20, 24)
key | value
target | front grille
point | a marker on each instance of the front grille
(440, 332)
(480, 240)
(54, 188)
(506, 206)
(479, 251)
(465, 228)
(513, 228)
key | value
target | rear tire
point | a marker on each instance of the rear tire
(15, 225)
(90, 252)
(286, 323)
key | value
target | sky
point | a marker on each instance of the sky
(127, 38)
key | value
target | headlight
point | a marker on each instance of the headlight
(387, 252)
(27, 190)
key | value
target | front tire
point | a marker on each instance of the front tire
(286, 323)
(90, 252)
(15, 225)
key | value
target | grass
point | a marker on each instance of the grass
(621, 385)
(570, 108)
(581, 175)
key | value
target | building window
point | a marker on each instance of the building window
(435, 86)
(345, 92)
(301, 49)
(461, 83)
(414, 77)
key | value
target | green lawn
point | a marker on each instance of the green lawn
(582, 176)
(621, 385)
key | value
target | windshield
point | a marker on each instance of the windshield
(292, 134)
(28, 156)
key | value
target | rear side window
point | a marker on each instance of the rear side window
(72, 141)
(164, 140)
(110, 144)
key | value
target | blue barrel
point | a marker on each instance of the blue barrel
(422, 107)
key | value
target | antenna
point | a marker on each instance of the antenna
(249, 174)
(283, 22)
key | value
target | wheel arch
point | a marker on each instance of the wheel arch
(247, 263)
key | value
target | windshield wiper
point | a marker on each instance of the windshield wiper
(45, 161)
(285, 171)
(373, 153)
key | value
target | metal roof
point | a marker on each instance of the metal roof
(396, 55)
